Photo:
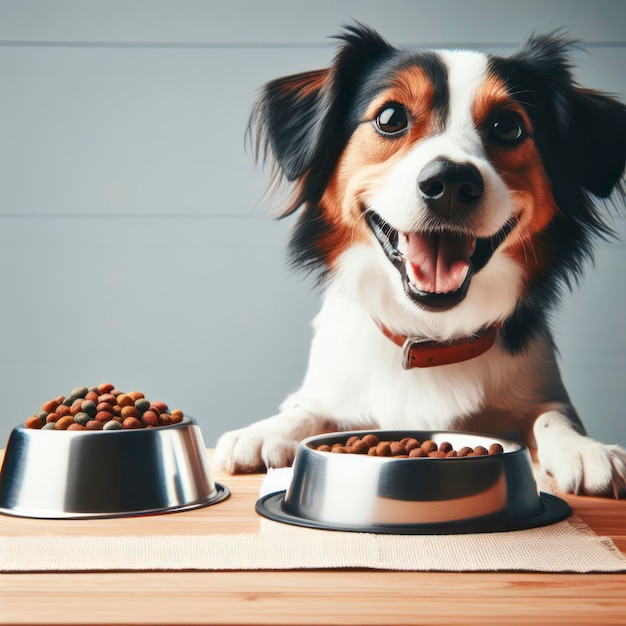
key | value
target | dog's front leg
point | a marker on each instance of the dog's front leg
(578, 463)
(272, 442)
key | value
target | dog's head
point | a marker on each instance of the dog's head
(464, 180)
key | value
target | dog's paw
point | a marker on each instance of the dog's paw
(253, 449)
(582, 465)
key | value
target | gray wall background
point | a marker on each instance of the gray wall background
(133, 244)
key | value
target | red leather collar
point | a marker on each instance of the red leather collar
(427, 353)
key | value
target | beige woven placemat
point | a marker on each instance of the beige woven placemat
(568, 546)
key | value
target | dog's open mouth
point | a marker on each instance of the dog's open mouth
(436, 267)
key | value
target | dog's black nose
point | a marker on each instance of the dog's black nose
(450, 188)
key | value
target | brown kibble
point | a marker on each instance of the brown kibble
(159, 407)
(496, 448)
(372, 451)
(397, 448)
(129, 411)
(464, 451)
(322, 448)
(371, 440)
(34, 421)
(105, 388)
(50, 406)
(352, 440)
(150, 418)
(103, 416)
(92, 396)
(437, 454)
(450, 453)
(94, 425)
(62, 410)
(360, 447)
(108, 398)
(52, 417)
(429, 446)
(177, 416)
(76, 426)
(383, 448)
(416, 453)
(63, 422)
(480, 451)
(104, 406)
(411, 444)
(339, 450)
(445, 446)
(136, 395)
(165, 419)
(131, 423)
(125, 400)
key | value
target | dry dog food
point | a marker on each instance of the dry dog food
(102, 408)
(406, 448)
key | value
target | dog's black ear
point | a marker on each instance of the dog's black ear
(586, 128)
(297, 116)
(595, 140)
(287, 120)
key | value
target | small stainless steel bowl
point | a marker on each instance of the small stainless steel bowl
(77, 474)
(356, 492)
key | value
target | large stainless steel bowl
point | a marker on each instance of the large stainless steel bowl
(78, 474)
(357, 492)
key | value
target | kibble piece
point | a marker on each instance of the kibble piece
(416, 453)
(82, 418)
(429, 446)
(445, 446)
(411, 443)
(480, 451)
(496, 448)
(89, 407)
(130, 411)
(352, 440)
(177, 416)
(437, 454)
(125, 400)
(62, 410)
(103, 416)
(150, 418)
(76, 426)
(359, 447)
(465, 451)
(63, 422)
(142, 405)
(371, 440)
(131, 423)
(450, 453)
(383, 449)
(397, 448)
(35, 422)
(112, 425)
(322, 448)
(95, 425)
(339, 450)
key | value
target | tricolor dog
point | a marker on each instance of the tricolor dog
(445, 199)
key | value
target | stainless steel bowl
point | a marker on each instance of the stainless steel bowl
(413, 495)
(78, 474)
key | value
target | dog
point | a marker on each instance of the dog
(446, 199)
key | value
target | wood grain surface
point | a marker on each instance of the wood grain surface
(303, 597)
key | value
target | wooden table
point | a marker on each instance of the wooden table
(303, 597)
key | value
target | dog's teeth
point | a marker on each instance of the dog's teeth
(402, 243)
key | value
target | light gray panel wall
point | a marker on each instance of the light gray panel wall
(133, 243)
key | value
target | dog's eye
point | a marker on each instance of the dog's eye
(507, 127)
(392, 119)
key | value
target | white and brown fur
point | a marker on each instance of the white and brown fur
(354, 140)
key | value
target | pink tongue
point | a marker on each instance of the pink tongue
(438, 261)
